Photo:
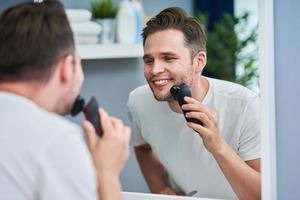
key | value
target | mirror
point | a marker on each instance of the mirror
(99, 72)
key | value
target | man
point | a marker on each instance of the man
(43, 155)
(218, 159)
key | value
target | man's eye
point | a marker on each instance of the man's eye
(169, 59)
(148, 61)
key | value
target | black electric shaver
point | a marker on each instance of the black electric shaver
(90, 111)
(178, 92)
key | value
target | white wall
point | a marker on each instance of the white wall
(287, 83)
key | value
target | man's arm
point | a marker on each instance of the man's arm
(153, 171)
(244, 177)
(109, 186)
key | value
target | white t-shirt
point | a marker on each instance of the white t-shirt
(180, 149)
(42, 155)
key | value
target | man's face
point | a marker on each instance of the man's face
(167, 61)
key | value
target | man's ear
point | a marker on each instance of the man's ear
(66, 69)
(200, 61)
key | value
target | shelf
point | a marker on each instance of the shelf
(109, 51)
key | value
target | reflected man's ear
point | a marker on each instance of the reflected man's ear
(200, 61)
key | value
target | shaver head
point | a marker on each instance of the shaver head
(174, 91)
(78, 106)
(178, 92)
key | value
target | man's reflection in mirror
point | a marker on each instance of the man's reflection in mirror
(218, 159)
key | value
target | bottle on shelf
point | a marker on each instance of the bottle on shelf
(139, 20)
(126, 23)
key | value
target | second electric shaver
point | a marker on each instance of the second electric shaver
(91, 112)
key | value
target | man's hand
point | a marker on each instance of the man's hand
(111, 152)
(209, 131)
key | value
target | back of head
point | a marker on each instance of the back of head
(176, 18)
(33, 38)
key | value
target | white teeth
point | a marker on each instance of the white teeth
(161, 82)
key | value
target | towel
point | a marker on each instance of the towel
(86, 28)
(90, 39)
(78, 15)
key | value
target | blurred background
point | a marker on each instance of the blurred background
(107, 35)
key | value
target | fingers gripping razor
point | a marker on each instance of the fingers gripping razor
(178, 92)
(90, 111)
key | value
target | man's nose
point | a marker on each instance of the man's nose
(157, 68)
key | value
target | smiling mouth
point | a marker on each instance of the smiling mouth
(161, 82)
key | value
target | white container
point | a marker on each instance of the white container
(139, 21)
(126, 25)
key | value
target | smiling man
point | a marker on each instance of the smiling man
(219, 159)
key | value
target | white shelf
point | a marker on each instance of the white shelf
(108, 51)
(147, 196)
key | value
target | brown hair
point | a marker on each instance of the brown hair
(33, 38)
(176, 18)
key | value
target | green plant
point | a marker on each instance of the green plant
(230, 56)
(103, 9)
